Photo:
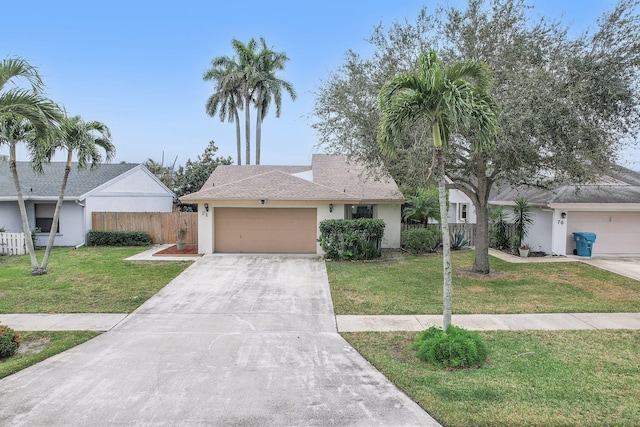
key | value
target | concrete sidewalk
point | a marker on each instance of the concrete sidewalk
(491, 322)
(359, 323)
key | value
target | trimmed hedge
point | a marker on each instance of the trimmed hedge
(9, 342)
(351, 239)
(118, 238)
(457, 348)
(421, 240)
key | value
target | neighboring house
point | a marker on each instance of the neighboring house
(278, 209)
(610, 208)
(461, 208)
(122, 187)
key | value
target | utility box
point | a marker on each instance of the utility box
(584, 243)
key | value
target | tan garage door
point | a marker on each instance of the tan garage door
(265, 230)
(616, 232)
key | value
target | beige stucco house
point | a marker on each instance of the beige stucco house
(278, 209)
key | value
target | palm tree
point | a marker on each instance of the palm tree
(227, 98)
(443, 97)
(422, 206)
(12, 132)
(25, 116)
(28, 104)
(268, 86)
(84, 140)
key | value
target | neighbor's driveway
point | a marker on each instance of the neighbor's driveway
(625, 266)
(234, 340)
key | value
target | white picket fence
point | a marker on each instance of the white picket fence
(12, 244)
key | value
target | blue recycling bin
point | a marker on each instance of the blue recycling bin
(584, 242)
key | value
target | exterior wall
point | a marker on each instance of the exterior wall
(457, 197)
(10, 217)
(389, 213)
(539, 237)
(71, 227)
(559, 233)
(393, 224)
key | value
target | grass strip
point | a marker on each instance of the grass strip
(533, 378)
(84, 280)
(413, 285)
(37, 346)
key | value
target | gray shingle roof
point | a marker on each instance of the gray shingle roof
(619, 186)
(329, 177)
(48, 184)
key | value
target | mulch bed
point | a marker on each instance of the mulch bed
(189, 250)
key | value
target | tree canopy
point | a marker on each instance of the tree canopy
(568, 103)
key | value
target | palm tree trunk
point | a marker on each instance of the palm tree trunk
(56, 214)
(258, 131)
(23, 210)
(247, 128)
(238, 139)
(446, 242)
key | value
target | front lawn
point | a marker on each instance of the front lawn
(85, 280)
(413, 285)
(532, 378)
(37, 346)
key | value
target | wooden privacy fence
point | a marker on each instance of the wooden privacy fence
(12, 244)
(469, 230)
(162, 226)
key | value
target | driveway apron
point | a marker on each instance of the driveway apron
(235, 340)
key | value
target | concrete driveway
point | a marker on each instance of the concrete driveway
(625, 266)
(233, 341)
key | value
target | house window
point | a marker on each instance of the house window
(44, 217)
(360, 211)
(463, 212)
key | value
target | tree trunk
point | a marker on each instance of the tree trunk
(247, 128)
(446, 242)
(56, 214)
(481, 203)
(258, 131)
(238, 139)
(23, 211)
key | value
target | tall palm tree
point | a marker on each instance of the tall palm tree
(84, 139)
(227, 98)
(13, 131)
(268, 86)
(26, 116)
(442, 97)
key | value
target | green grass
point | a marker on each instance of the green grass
(85, 280)
(41, 345)
(413, 285)
(534, 378)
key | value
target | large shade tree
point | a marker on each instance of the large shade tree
(568, 103)
(87, 141)
(26, 116)
(442, 98)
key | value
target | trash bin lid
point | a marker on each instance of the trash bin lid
(587, 235)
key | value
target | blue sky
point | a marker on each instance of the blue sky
(137, 65)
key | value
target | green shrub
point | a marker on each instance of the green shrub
(118, 238)
(458, 241)
(457, 348)
(9, 342)
(421, 240)
(351, 239)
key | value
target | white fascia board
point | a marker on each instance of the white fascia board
(597, 207)
(133, 170)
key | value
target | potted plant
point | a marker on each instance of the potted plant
(182, 234)
(524, 250)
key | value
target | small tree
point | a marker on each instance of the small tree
(521, 218)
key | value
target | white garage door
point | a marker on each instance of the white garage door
(264, 230)
(616, 232)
